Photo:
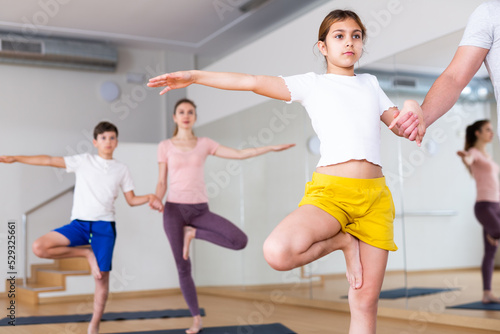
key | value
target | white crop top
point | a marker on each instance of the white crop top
(345, 114)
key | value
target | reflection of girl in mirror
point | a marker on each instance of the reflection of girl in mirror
(487, 208)
(347, 205)
(186, 214)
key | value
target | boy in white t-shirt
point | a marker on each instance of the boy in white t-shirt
(98, 181)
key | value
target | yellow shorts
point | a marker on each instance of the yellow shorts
(363, 207)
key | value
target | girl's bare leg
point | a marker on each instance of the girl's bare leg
(307, 234)
(196, 327)
(363, 302)
(54, 245)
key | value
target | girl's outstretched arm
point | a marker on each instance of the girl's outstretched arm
(270, 86)
(232, 153)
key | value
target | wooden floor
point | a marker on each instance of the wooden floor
(221, 311)
(227, 311)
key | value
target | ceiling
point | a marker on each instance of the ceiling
(206, 28)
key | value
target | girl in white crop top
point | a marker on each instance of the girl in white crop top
(345, 110)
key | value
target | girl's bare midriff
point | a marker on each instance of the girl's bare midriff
(355, 169)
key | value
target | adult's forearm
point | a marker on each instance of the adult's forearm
(443, 94)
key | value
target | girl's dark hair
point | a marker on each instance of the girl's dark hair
(338, 16)
(470, 133)
(105, 127)
(184, 100)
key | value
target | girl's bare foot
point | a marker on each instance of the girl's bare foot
(196, 327)
(353, 261)
(94, 267)
(491, 240)
(490, 298)
(189, 234)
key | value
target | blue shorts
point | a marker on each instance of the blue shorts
(101, 235)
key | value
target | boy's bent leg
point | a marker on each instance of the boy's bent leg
(54, 245)
(100, 299)
(363, 302)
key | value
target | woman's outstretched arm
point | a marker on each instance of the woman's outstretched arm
(232, 153)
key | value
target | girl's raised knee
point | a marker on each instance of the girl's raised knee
(276, 256)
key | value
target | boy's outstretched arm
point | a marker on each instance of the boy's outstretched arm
(37, 160)
(134, 200)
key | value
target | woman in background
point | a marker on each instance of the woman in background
(186, 214)
(487, 208)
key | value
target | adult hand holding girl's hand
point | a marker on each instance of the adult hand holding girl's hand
(410, 121)
(174, 80)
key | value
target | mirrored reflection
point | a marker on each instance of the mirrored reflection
(255, 194)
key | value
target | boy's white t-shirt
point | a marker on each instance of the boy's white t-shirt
(483, 30)
(98, 182)
(345, 114)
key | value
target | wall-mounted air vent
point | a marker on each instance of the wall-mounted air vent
(35, 47)
(57, 52)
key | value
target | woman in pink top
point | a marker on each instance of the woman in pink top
(186, 214)
(487, 207)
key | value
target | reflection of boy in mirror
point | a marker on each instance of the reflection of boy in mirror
(99, 179)
(487, 208)
(480, 43)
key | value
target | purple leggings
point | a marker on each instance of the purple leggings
(488, 214)
(209, 227)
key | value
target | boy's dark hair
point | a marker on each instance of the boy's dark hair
(105, 127)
